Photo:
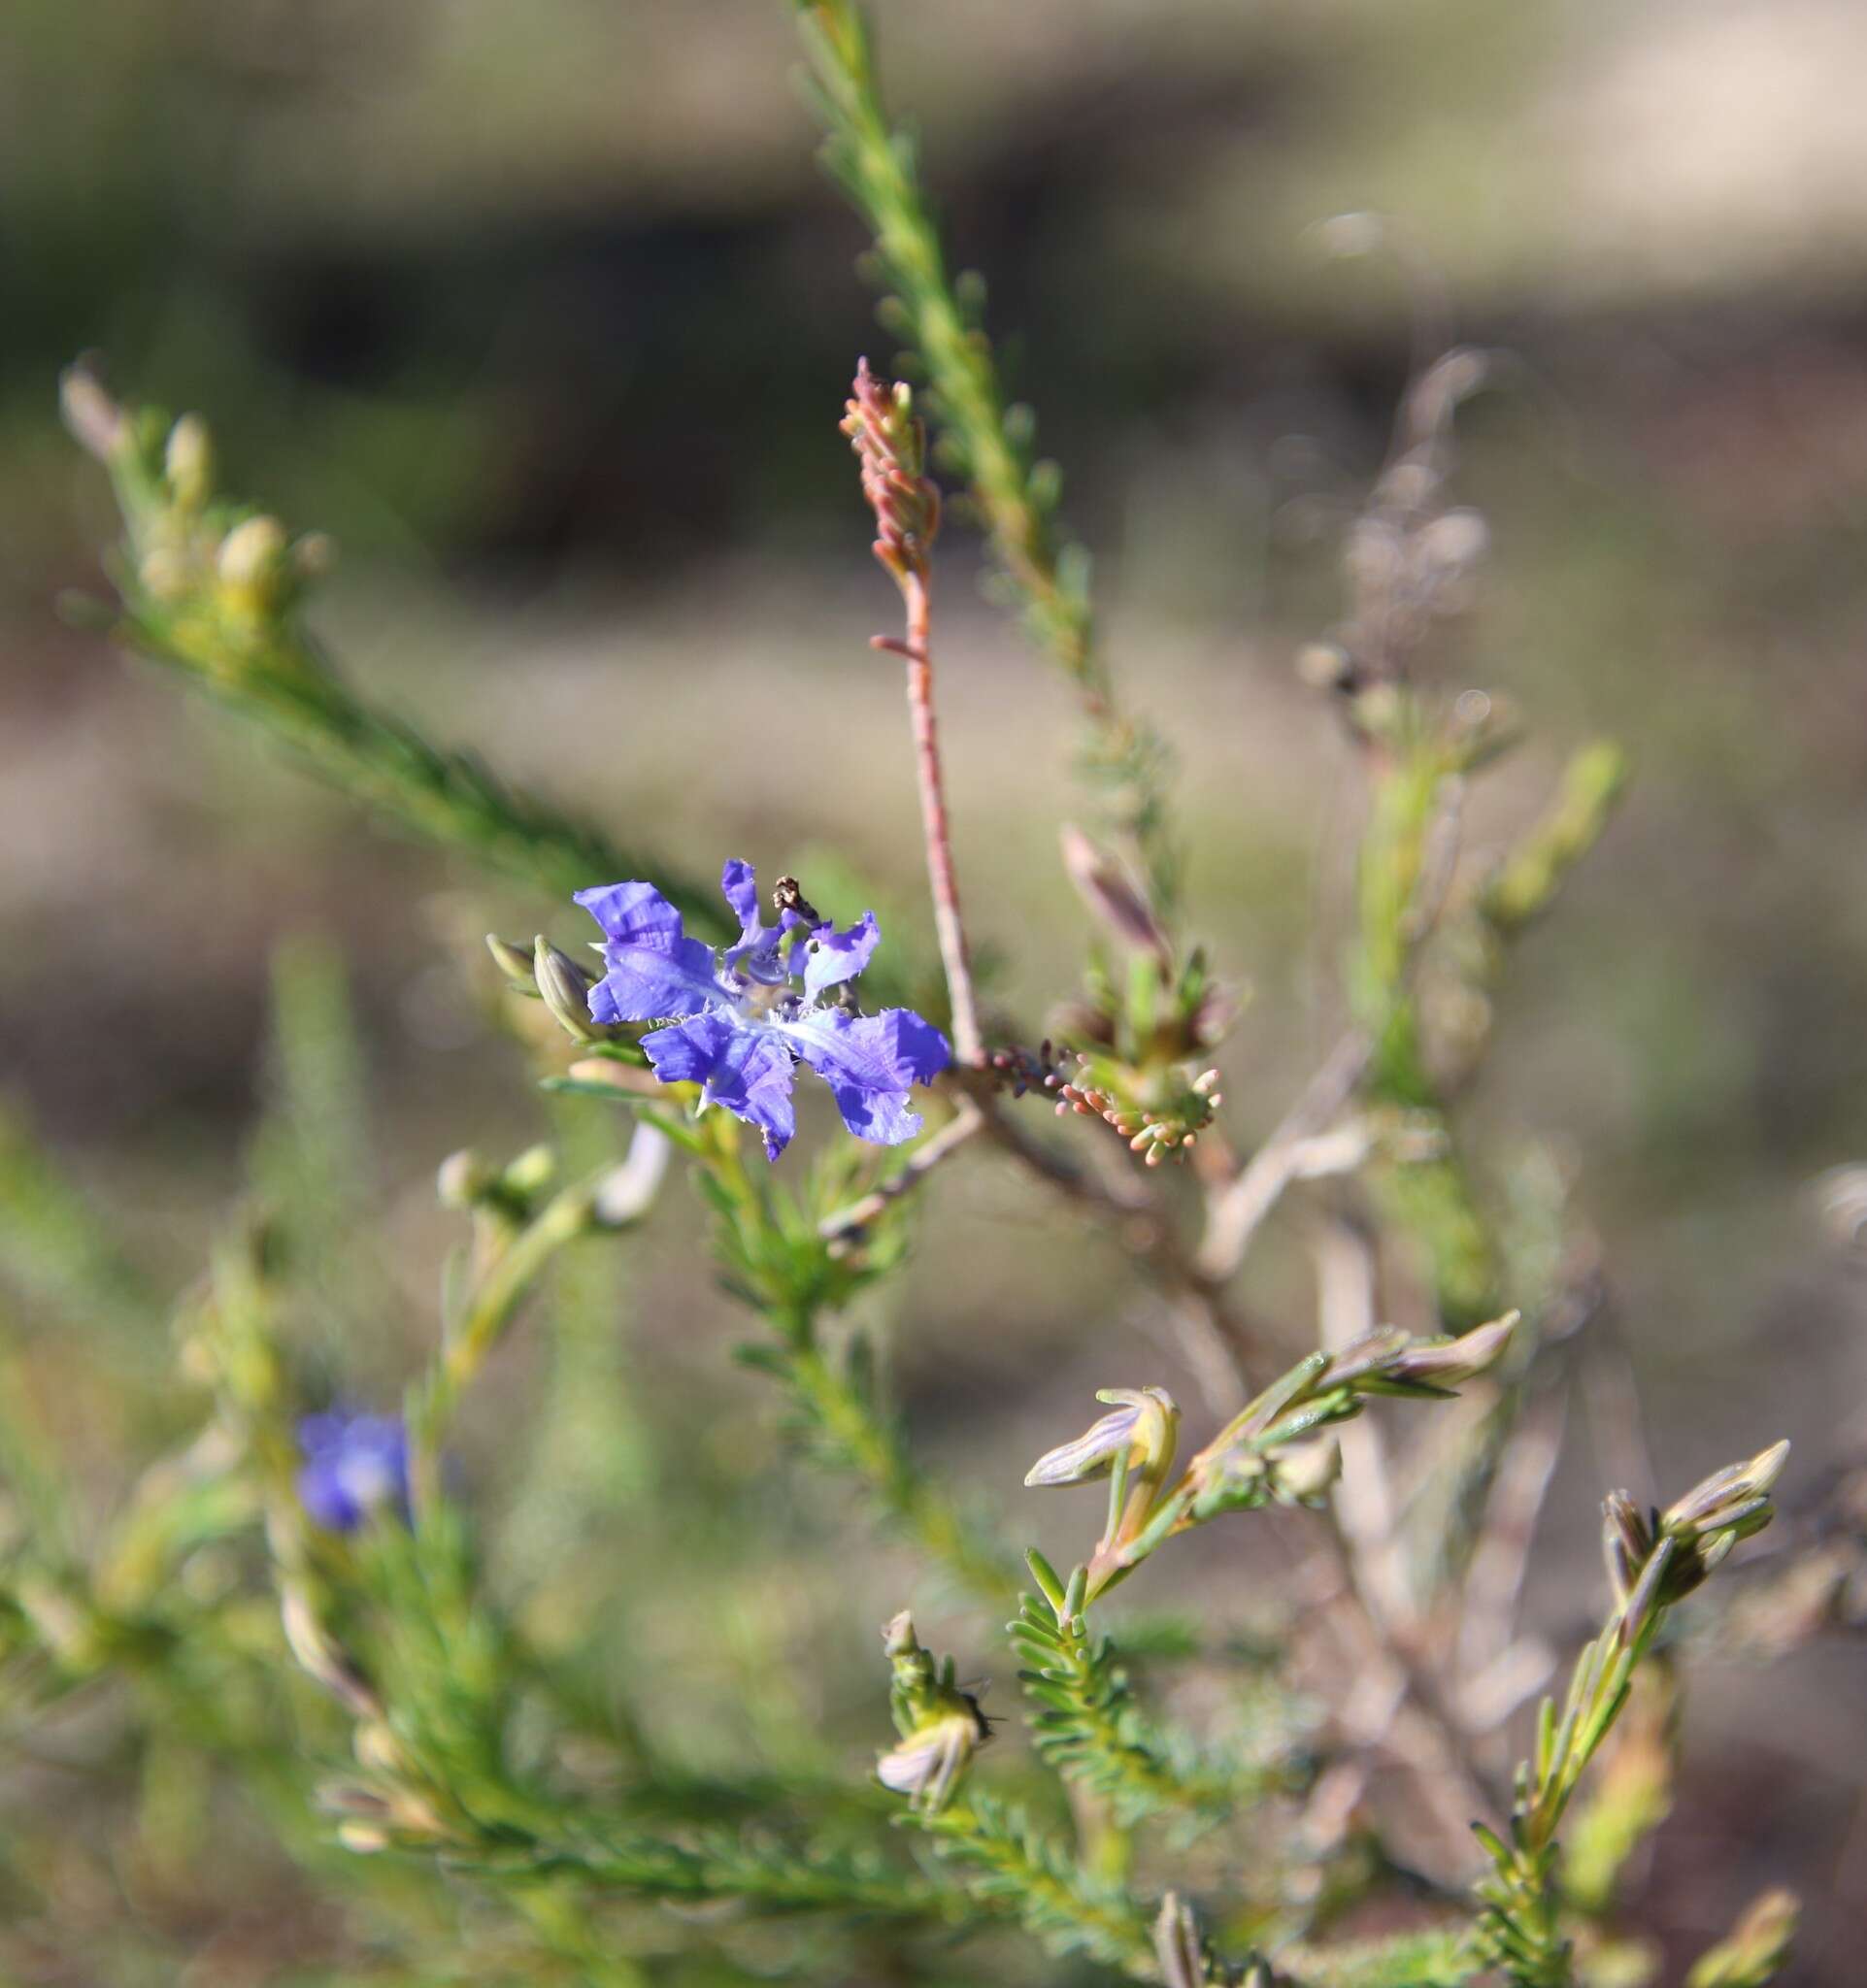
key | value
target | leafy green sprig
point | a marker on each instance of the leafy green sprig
(1007, 1860)
(1266, 1454)
(213, 589)
(1655, 1561)
(1087, 1724)
(986, 441)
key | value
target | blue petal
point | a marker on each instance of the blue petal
(655, 972)
(746, 1068)
(869, 1061)
(326, 1503)
(355, 1466)
(739, 881)
(647, 984)
(755, 956)
(633, 914)
(838, 956)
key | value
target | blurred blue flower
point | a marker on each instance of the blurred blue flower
(736, 1022)
(355, 1466)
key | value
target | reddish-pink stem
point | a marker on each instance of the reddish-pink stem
(948, 925)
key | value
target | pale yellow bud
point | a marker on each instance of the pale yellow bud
(188, 463)
(252, 566)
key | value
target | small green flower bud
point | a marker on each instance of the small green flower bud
(187, 462)
(252, 567)
(463, 1180)
(97, 424)
(1111, 896)
(531, 1172)
(163, 574)
(377, 1747)
(1727, 1496)
(320, 1656)
(898, 1637)
(1446, 1363)
(1626, 1542)
(515, 963)
(564, 987)
(1305, 1474)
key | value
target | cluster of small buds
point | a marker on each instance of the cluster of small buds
(548, 975)
(1019, 1070)
(890, 444)
(389, 1809)
(1270, 1452)
(1654, 1561)
(1153, 1132)
(1659, 1559)
(187, 548)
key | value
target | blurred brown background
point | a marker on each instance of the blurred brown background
(547, 313)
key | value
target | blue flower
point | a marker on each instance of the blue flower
(735, 1024)
(355, 1466)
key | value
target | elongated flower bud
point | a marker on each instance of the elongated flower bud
(890, 444)
(1111, 896)
(1446, 1363)
(1626, 1542)
(1177, 1944)
(96, 422)
(1727, 1496)
(187, 462)
(463, 1178)
(514, 962)
(1303, 1474)
(564, 987)
(252, 567)
(1142, 1428)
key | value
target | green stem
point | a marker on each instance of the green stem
(1014, 1868)
(502, 1287)
(1016, 497)
(1431, 1198)
(1089, 1727)
(450, 798)
(867, 1443)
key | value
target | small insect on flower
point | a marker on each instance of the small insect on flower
(356, 1468)
(738, 1023)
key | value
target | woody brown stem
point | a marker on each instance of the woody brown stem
(940, 878)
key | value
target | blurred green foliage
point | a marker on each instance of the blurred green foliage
(559, 301)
